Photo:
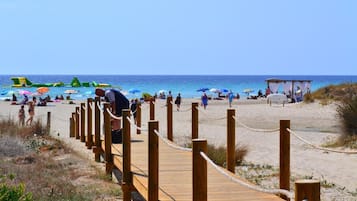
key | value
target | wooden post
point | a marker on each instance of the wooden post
(307, 190)
(199, 170)
(48, 122)
(97, 129)
(231, 140)
(284, 156)
(89, 123)
(71, 133)
(194, 120)
(108, 140)
(127, 176)
(152, 109)
(169, 118)
(138, 117)
(83, 122)
(153, 188)
(77, 123)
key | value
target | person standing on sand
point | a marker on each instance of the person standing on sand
(21, 116)
(178, 101)
(230, 98)
(31, 112)
(204, 99)
(117, 101)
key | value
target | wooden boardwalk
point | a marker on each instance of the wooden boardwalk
(175, 174)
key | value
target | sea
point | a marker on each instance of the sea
(133, 86)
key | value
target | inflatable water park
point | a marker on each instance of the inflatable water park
(19, 82)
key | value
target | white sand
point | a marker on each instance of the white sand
(314, 122)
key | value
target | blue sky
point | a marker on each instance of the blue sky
(255, 37)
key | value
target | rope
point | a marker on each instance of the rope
(112, 115)
(256, 129)
(257, 188)
(91, 105)
(170, 144)
(219, 118)
(100, 107)
(137, 127)
(318, 147)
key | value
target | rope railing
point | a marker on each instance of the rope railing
(112, 115)
(256, 129)
(91, 105)
(137, 127)
(319, 147)
(253, 187)
(170, 144)
(100, 107)
(205, 113)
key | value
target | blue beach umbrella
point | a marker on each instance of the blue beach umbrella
(133, 91)
(202, 89)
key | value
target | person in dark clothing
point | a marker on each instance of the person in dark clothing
(134, 104)
(117, 101)
(178, 101)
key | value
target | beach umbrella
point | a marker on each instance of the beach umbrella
(202, 89)
(133, 91)
(214, 90)
(42, 90)
(248, 91)
(25, 92)
(224, 90)
(70, 91)
(162, 91)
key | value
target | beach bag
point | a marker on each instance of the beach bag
(117, 136)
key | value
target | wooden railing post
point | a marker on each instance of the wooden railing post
(108, 140)
(231, 140)
(194, 120)
(138, 117)
(71, 122)
(127, 175)
(169, 118)
(73, 129)
(152, 109)
(89, 141)
(307, 190)
(48, 122)
(77, 123)
(83, 122)
(284, 179)
(98, 145)
(153, 188)
(199, 170)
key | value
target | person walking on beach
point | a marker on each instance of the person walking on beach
(117, 101)
(230, 98)
(133, 106)
(178, 101)
(204, 99)
(22, 115)
(31, 111)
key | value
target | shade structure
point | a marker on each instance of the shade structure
(70, 91)
(202, 89)
(42, 90)
(25, 92)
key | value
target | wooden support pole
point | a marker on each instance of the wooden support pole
(71, 127)
(83, 122)
(169, 118)
(307, 190)
(77, 122)
(48, 122)
(153, 188)
(89, 141)
(194, 120)
(231, 140)
(152, 109)
(199, 170)
(138, 117)
(108, 140)
(284, 179)
(97, 129)
(127, 175)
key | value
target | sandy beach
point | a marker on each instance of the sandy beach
(314, 122)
